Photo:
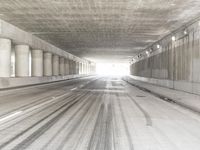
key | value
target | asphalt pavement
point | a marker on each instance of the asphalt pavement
(94, 113)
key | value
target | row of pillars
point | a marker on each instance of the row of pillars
(42, 63)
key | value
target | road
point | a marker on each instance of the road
(94, 113)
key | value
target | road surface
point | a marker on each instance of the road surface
(94, 113)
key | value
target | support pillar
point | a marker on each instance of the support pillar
(83, 68)
(77, 67)
(37, 63)
(89, 68)
(80, 68)
(55, 65)
(47, 64)
(21, 60)
(73, 67)
(67, 67)
(70, 66)
(5, 57)
(62, 66)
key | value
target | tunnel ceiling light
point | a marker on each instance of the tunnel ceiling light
(173, 38)
(173, 4)
(147, 52)
(185, 32)
(158, 46)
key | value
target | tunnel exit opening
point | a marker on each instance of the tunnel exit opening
(112, 69)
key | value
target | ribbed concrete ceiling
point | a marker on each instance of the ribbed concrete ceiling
(100, 29)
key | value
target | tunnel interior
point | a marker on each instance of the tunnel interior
(99, 74)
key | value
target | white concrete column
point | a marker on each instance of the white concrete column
(77, 67)
(70, 70)
(83, 68)
(66, 67)
(80, 68)
(88, 65)
(89, 69)
(86, 71)
(93, 69)
(37, 63)
(21, 60)
(62, 66)
(72, 67)
(55, 65)
(47, 64)
(5, 57)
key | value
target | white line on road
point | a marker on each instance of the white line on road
(81, 85)
(74, 89)
(21, 112)
(10, 116)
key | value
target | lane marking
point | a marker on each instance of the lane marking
(21, 112)
(17, 113)
(10, 116)
(74, 89)
(40, 105)
(81, 85)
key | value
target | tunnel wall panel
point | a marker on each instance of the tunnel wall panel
(177, 65)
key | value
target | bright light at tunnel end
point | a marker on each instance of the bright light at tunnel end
(112, 69)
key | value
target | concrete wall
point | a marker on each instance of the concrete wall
(6, 83)
(176, 64)
(17, 45)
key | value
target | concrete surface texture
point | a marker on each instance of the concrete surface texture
(22, 60)
(19, 36)
(6, 83)
(176, 61)
(37, 63)
(56, 68)
(48, 68)
(23, 55)
(94, 114)
(62, 66)
(5, 54)
(187, 100)
(18, 60)
(100, 28)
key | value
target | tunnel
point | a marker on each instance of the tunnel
(99, 75)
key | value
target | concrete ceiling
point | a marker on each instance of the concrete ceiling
(100, 29)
